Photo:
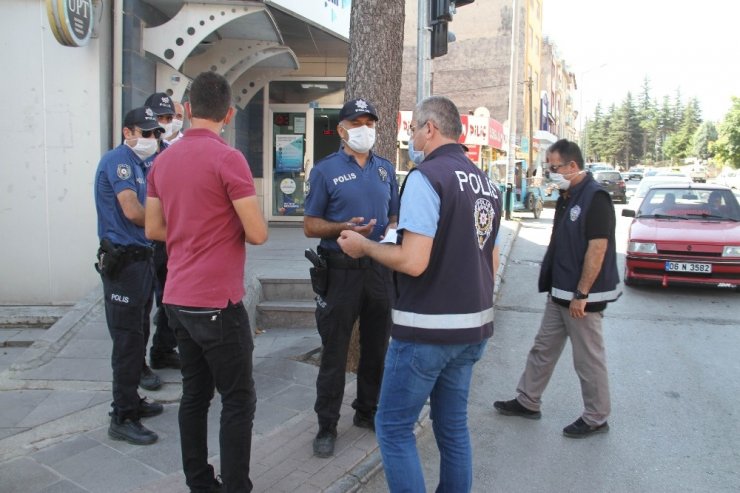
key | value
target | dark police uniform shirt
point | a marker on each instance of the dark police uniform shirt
(119, 169)
(339, 189)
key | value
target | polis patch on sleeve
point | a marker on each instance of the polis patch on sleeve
(123, 171)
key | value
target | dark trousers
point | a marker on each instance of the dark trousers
(164, 340)
(216, 352)
(352, 293)
(128, 301)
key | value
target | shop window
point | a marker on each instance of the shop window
(248, 125)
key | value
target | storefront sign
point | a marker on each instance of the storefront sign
(330, 15)
(71, 21)
(474, 153)
(288, 152)
(287, 186)
(478, 130)
(404, 125)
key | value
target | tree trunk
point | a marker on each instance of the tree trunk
(374, 73)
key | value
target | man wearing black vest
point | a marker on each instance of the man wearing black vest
(580, 274)
(445, 261)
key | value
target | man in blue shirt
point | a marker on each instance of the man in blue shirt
(126, 269)
(351, 189)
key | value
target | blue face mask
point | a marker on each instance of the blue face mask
(416, 156)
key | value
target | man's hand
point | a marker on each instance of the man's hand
(355, 224)
(578, 308)
(352, 243)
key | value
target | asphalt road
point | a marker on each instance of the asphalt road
(675, 386)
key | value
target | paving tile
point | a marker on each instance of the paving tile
(24, 475)
(292, 482)
(103, 469)
(15, 405)
(293, 371)
(269, 385)
(269, 416)
(28, 335)
(63, 487)
(83, 369)
(8, 432)
(94, 330)
(64, 450)
(87, 348)
(9, 355)
(7, 334)
(297, 397)
(57, 404)
(164, 456)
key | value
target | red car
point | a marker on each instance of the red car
(685, 234)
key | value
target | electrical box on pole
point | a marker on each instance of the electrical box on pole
(441, 12)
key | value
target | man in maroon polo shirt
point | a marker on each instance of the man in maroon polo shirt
(201, 200)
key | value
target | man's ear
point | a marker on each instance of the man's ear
(229, 115)
(188, 110)
(128, 134)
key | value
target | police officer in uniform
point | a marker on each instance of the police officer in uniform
(351, 189)
(126, 269)
(162, 353)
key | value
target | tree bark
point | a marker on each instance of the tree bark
(374, 73)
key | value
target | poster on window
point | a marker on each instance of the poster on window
(288, 152)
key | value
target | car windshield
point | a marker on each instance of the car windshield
(690, 203)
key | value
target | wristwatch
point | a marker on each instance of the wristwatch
(580, 296)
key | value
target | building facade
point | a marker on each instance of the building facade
(84, 63)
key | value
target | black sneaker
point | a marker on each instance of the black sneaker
(131, 431)
(323, 444)
(149, 380)
(149, 409)
(168, 359)
(581, 429)
(513, 408)
(217, 487)
(362, 420)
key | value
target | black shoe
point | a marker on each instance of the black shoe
(149, 409)
(217, 487)
(169, 359)
(131, 431)
(323, 444)
(149, 380)
(513, 408)
(581, 429)
(362, 420)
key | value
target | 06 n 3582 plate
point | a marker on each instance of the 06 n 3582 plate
(691, 267)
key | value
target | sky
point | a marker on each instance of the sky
(612, 46)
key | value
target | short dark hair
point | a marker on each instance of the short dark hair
(210, 96)
(569, 151)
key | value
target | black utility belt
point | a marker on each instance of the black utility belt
(339, 260)
(127, 252)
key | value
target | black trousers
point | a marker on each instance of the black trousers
(216, 349)
(128, 301)
(164, 340)
(352, 293)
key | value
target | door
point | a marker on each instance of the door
(301, 135)
(291, 156)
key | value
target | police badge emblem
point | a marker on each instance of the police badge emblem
(483, 214)
(361, 105)
(575, 211)
(306, 187)
(123, 171)
(383, 174)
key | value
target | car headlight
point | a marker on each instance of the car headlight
(640, 247)
(731, 251)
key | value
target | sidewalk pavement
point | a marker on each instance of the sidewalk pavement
(55, 398)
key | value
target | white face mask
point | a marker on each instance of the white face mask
(144, 148)
(361, 139)
(561, 181)
(168, 130)
(176, 125)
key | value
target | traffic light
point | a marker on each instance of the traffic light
(441, 13)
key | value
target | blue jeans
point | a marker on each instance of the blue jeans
(414, 372)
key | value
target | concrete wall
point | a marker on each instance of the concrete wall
(56, 124)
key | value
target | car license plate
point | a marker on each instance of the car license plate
(688, 267)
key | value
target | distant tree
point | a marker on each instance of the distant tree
(727, 147)
(682, 142)
(703, 140)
